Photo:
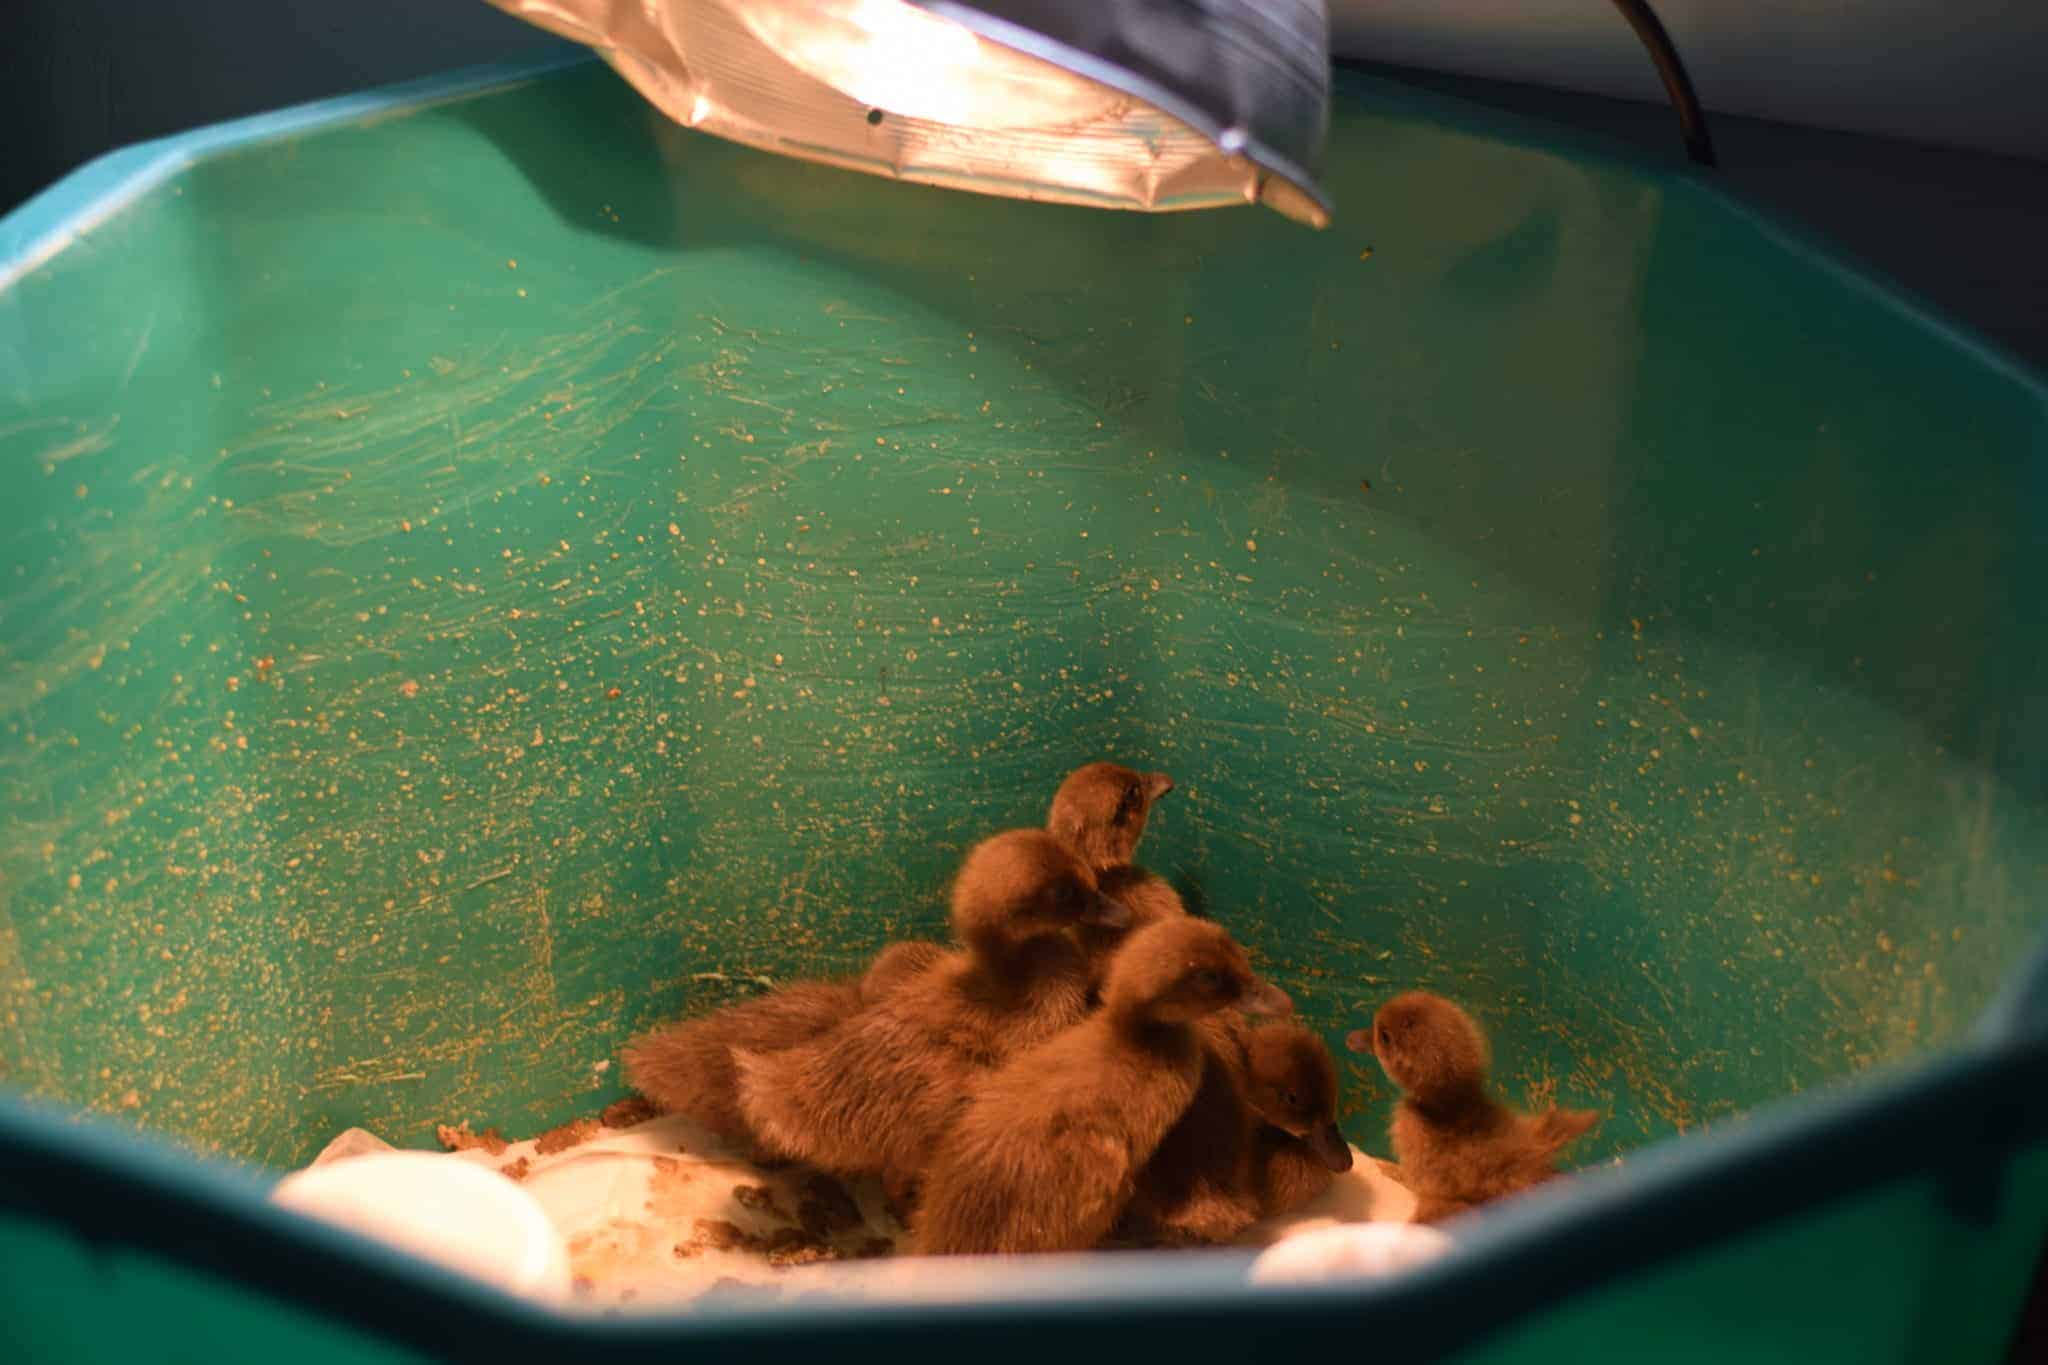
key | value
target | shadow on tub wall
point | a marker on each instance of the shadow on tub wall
(1595, 474)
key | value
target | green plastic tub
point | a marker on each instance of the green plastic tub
(487, 569)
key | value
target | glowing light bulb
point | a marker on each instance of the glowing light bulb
(904, 60)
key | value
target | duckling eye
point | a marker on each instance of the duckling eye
(1290, 1099)
(1210, 981)
(1127, 804)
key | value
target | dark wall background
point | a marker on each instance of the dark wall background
(79, 77)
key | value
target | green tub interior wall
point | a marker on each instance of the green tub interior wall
(481, 579)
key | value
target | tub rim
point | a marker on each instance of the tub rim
(108, 1185)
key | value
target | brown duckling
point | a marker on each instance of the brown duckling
(1259, 1138)
(1457, 1146)
(1146, 895)
(1290, 1083)
(1198, 1185)
(1047, 1153)
(686, 1067)
(896, 964)
(876, 1091)
(1150, 896)
(1099, 811)
(1290, 1171)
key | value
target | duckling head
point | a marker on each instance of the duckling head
(1178, 970)
(1100, 811)
(1025, 884)
(1426, 1045)
(1291, 1083)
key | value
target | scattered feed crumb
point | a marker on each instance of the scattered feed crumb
(563, 1138)
(759, 1199)
(719, 1235)
(827, 1209)
(791, 1247)
(519, 1169)
(670, 1192)
(460, 1139)
(627, 1112)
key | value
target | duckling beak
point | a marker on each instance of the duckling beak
(1359, 1040)
(1330, 1147)
(1265, 998)
(1106, 912)
(1157, 785)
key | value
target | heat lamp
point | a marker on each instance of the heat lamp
(1133, 104)
(1137, 104)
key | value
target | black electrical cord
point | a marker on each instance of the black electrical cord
(1692, 120)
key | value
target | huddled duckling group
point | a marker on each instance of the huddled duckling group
(1086, 1062)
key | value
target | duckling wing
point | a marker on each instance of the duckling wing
(897, 964)
(868, 1096)
(686, 1067)
(1198, 1182)
(999, 1188)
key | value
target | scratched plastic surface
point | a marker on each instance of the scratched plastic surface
(482, 579)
